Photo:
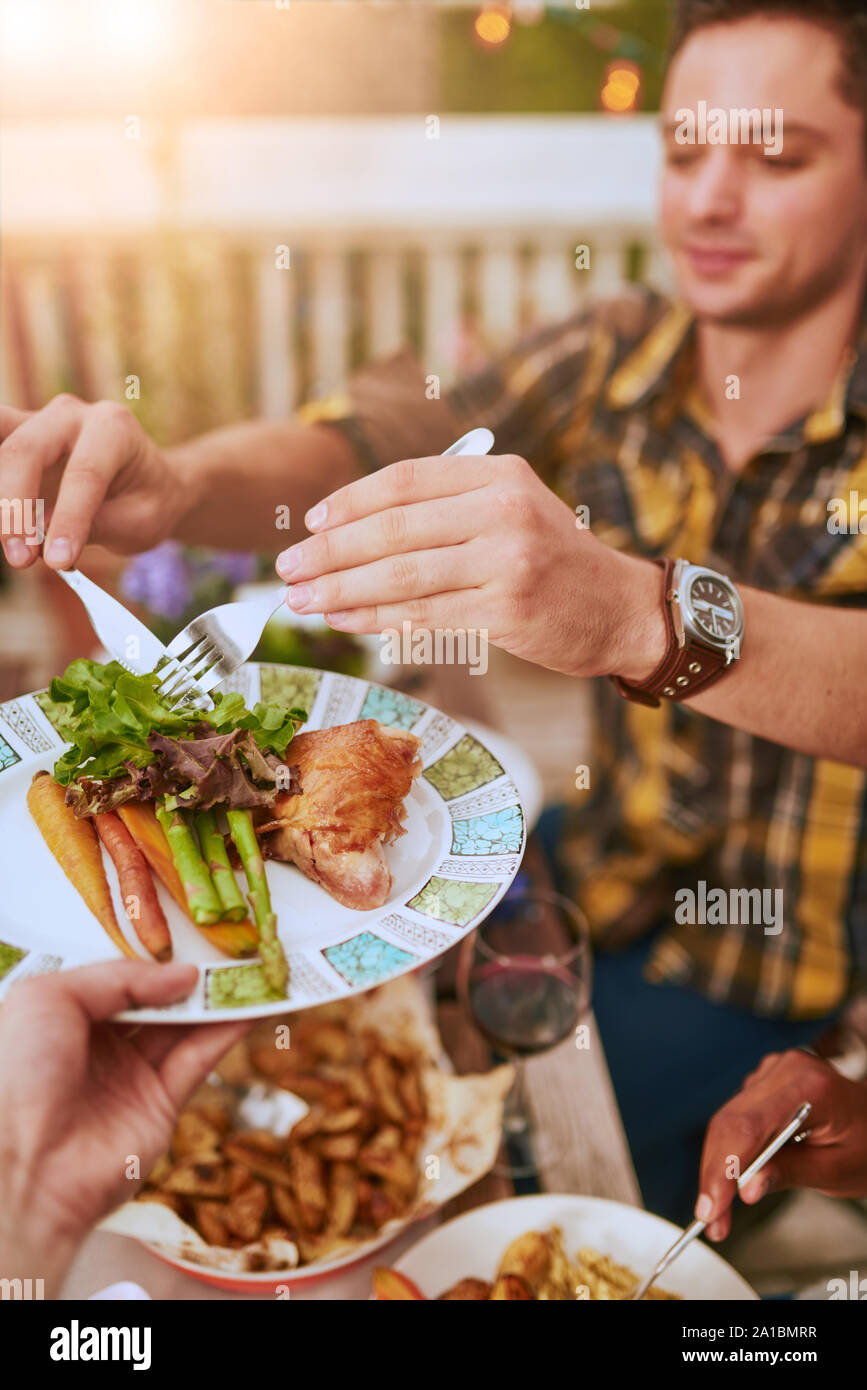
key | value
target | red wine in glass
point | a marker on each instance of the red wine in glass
(525, 1006)
(524, 979)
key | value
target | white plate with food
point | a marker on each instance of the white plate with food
(388, 832)
(553, 1248)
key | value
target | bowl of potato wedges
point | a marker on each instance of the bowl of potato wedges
(320, 1138)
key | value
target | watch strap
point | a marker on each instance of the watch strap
(685, 669)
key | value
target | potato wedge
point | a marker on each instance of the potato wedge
(467, 1291)
(329, 1042)
(511, 1288)
(286, 1207)
(262, 1140)
(339, 1147)
(342, 1198)
(529, 1257)
(195, 1139)
(308, 1186)
(316, 1090)
(268, 1166)
(395, 1048)
(410, 1091)
(199, 1180)
(383, 1078)
(388, 1139)
(315, 1246)
(390, 1164)
(270, 1060)
(239, 1178)
(245, 1212)
(210, 1223)
(353, 1078)
(211, 1109)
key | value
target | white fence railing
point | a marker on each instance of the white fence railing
(396, 229)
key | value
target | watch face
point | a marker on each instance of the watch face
(713, 608)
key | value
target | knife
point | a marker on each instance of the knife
(122, 634)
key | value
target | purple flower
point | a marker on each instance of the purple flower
(238, 566)
(159, 580)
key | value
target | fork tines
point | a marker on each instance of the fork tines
(193, 662)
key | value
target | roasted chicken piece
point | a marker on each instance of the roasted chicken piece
(354, 779)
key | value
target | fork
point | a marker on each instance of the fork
(216, 643)
(696, 1227)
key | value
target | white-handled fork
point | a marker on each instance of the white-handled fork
(216, 643)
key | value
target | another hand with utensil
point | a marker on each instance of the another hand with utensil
(476, 543)
(831, 1156)
(103, 479)
(98, 472)
(88, 1105)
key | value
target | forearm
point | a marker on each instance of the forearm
(799, 680)
(238, 485)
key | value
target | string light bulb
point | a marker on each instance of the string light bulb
(493, 25)
(621, 86)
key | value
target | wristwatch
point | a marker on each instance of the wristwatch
(704, 619)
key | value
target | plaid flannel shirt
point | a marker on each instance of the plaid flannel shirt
(605, 405)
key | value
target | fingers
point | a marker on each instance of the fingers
(394, 530)
(29, 448)
(770, 1179)
(191, 1059)
(410, 480)
(439, 613)
(735, 1136)
(10, 419)
(386, 582)
(154, 1042)
(103, 446)
(719, 1229)
(103, 990)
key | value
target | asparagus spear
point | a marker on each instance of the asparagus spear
(273, 960)
(215, 856)
(205, 905)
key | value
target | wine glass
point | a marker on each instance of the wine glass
(524, 978)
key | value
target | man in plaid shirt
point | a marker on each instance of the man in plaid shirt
(727, 427)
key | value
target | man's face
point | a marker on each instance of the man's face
(756, 238)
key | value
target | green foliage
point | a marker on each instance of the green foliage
(557, 64)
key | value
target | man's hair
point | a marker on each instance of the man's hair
(846, 19)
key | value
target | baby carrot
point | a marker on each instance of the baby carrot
(136, 886)
(74, 844)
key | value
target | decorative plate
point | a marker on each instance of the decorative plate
(464, 840)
